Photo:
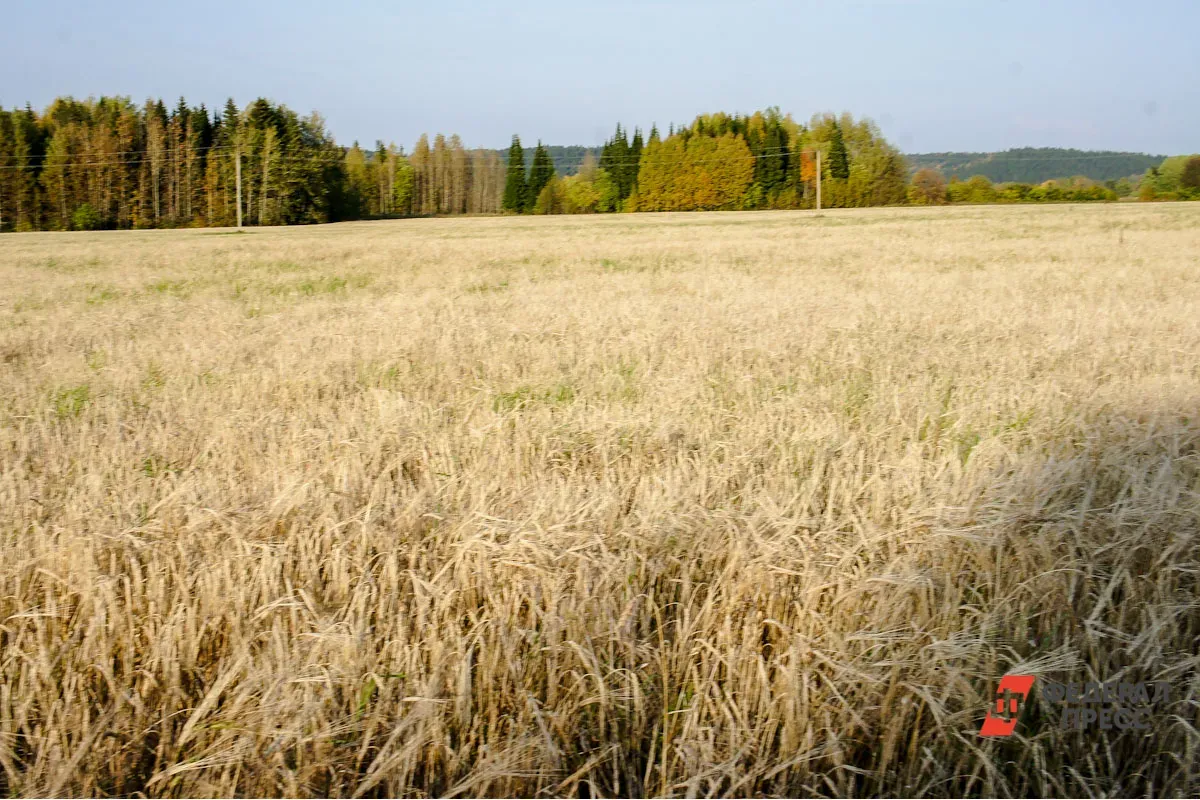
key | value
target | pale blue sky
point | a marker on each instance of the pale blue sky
(935, 75)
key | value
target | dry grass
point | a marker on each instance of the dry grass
(670, 505)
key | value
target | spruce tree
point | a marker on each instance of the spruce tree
(514, 181)
(616, 160)
(540, 174)
(229, 121)
(201, 127)
(839, 161)
(610, 155)
(635, 160)
(771, 166)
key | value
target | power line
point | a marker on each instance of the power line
(331, 157)
(170, 146)
(574, 161)
(1051, 158)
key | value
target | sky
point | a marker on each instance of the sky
(935, 75)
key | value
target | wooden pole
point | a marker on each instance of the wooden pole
(239, 187)
(818, 180)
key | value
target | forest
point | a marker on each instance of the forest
(109, 163)
(1035, 165)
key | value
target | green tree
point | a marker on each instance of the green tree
(978, 189)
(1189, 178)
(402, 186)
(608, 192)
(768, 138)
(22, 195)
(581, 193)
(635, 161)
(621, 160)
(839, 160)
(514, 181)
(541, 173)
(358, 182)
(1167, 174)
(551, 199)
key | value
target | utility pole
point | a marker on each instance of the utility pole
(239, 186)
(818, 180)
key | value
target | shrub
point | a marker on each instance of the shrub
(86, 218)
(928, 187)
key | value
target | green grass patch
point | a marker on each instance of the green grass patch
(618, 265)
(329, 285)
(70, 402)
(156, 466)
(180, 289)
(965, 443)
(155, 377)
(98, 295)
(487, 288)
(525, 396)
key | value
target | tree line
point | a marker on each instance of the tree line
(109, 163)
(1176, 178)
(719, 161)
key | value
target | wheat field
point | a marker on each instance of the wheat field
(673, 505)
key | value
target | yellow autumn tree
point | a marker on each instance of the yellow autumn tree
(727, 170)
(658, 174)
(702, 173)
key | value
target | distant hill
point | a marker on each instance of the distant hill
(1024, 164)
(1037, 164)
(566, 158)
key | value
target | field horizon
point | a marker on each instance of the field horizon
(664, 504)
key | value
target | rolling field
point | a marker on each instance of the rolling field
(690, 505)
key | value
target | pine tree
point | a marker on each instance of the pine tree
(839, 161)
(459, 175)
(541, 173)
(514, 181)
(422, 164)
(441, 170)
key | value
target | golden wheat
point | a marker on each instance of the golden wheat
(732, 504)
